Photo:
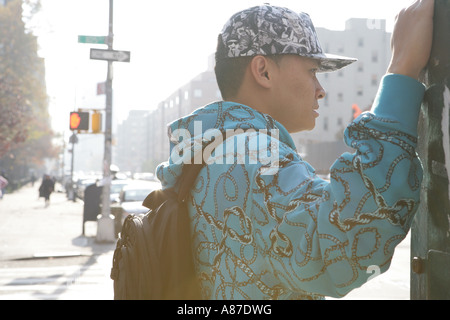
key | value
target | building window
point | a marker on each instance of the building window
(374, 56)
(360, 91)
(186, 95)
(360, 67)
(339, 121)
(361, 42)
(325, 124)
(340, 97)
(374, 80)
(198, 93)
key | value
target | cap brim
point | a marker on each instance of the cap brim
(331, 62)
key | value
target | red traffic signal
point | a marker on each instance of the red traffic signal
(79, 121)
(356, 111)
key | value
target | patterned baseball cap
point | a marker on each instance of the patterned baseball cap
(270, 30)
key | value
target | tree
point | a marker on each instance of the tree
(25, 131)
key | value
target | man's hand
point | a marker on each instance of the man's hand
(412, 39)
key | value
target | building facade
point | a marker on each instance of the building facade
(151, 147)
(131, 142)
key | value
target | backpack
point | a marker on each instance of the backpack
(153, 256)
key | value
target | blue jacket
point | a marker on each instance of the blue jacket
(274, 229)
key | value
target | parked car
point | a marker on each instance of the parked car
(131, 198)
(144, 176)
(116, 188)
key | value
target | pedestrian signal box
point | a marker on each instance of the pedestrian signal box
(79, 121)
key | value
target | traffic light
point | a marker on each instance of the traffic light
(356, 111)
(96, 122)
(79, 121)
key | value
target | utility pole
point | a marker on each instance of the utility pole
(71, 192)
(105, 224)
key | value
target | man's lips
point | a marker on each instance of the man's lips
(316, 113)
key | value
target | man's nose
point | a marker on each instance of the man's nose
(320, 92)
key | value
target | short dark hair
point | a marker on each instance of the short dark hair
(230, 71)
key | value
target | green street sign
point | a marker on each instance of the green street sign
(92, 39)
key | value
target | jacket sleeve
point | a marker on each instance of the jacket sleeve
(327, 237)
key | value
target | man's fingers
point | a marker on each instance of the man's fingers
(412, 38)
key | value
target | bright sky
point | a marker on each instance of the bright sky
(170, 42)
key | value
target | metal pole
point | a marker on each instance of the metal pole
(71, 191)
(105, 225)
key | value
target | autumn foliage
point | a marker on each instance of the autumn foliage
(25, 131)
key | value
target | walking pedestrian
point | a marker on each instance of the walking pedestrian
(3, 184)
(46, 188)
(274, 229)
(32, 179)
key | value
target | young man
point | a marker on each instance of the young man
(264, 225)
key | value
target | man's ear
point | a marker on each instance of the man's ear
(261, 69)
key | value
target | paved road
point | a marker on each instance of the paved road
(44, 256)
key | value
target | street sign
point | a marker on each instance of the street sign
(73, 138)
(110, 55)
(101, 88)
(92, 39)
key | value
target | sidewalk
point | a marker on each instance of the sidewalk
(28, 229)
(43, 254)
